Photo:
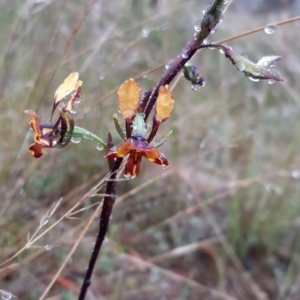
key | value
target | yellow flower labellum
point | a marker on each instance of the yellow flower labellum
(129, 95)
(67, 87)
(164, 104)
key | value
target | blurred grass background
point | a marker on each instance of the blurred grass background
(220, 223)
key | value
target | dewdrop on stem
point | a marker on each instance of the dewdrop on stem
(168, 64)
(197, 26)
(99, 147)
(254, 79)
(76, 140)
(270, 29)
(48, 247)
(5, 295)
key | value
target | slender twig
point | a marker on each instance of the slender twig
(108, 203)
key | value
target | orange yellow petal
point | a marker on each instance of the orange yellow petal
(68, 86)
(129, 95)
(164, 104)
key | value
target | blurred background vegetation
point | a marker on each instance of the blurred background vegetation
(221, 222)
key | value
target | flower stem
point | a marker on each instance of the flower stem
(83, 133)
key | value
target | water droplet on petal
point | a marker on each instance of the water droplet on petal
(5, 295)
(128, 176)
(99, 147)
(270, 29)
(76, 139)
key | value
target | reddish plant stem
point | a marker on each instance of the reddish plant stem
(108, 204)
(177, 64)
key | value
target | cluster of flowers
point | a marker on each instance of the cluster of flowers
(137, 135)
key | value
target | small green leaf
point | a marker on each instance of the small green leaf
(254, 71)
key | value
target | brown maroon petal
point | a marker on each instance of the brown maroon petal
(153, 155)
(37, 150)
(121, 150)
(133, 164)
(34, 123)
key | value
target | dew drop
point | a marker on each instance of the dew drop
(295, 174)
(271, 81)
(270, 29)
(164, 167)
(254, 79)
(99, 147)
(197, 26)
(6, 295)
(195, 86)
(240, 65)
(77, 100)
(168, 64)
(206, 41)
(222, 51)
(185, 54)
(205, 9)
(76, 139)
(225, 1)
(145, 32)
(214, 30)
(47, 247)
(128, 176)
(74, 109)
